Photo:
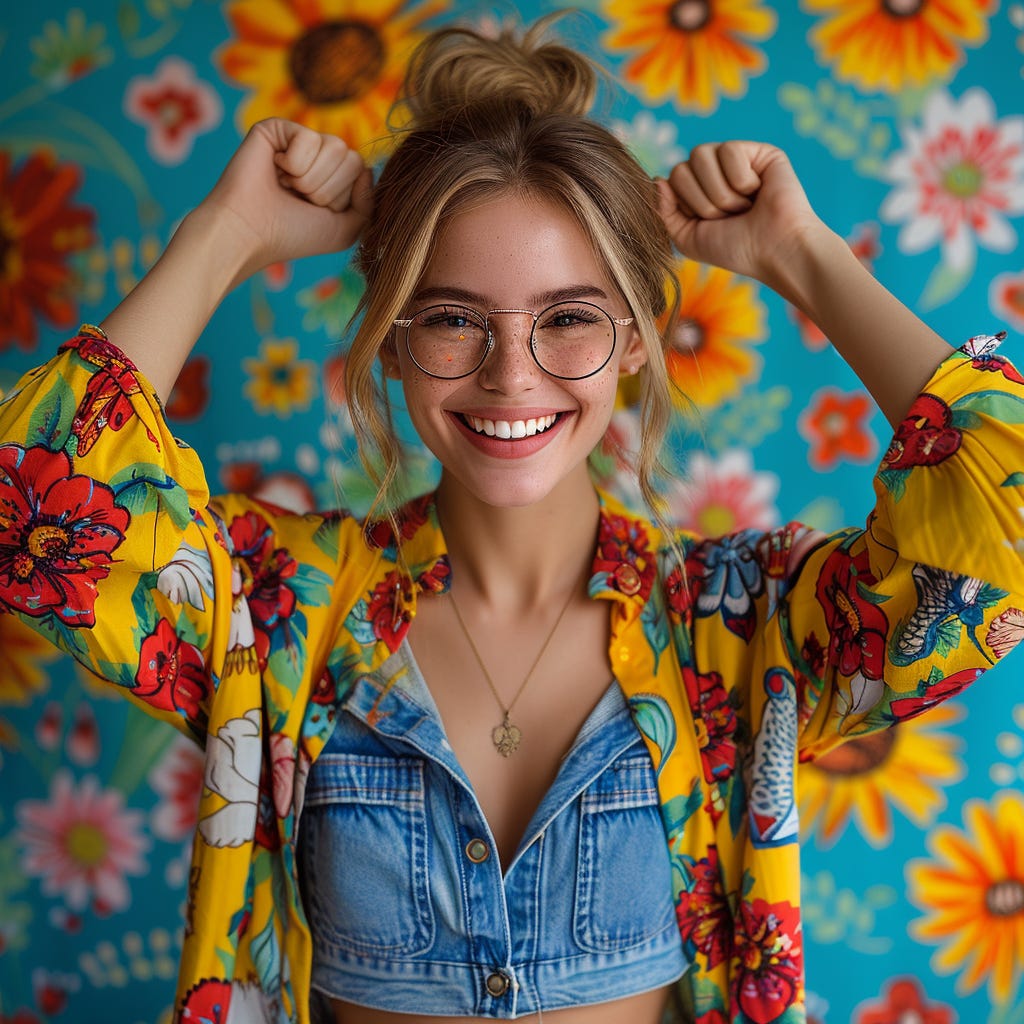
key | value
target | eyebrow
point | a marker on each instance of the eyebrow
(576, 291)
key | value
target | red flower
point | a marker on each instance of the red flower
(997, 364)
(57, 534)
(172, 675)
(925, 437)
(835, 425)
(857, 628)
(911, 707)
(904, 1000)
(716, 722)
(39, 229)
(437, 578)
(623, 553)
(191, 392)
(264, 570)
(387, 613)
(409, 518)
(767, 959)
(703, 911)
(680, 593)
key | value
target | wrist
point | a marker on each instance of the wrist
(218, 241)
(804, 270)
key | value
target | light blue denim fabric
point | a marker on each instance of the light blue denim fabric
(404, 919)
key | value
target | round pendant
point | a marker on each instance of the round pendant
(506, 738)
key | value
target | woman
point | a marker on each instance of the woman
(530, 780)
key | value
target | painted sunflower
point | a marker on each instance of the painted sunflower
(868, 777)
(333, 65)
(710, 354)
(692, 51)
(972, 892)
(891, 45)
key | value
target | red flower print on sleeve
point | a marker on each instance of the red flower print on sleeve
(857, 628)
(768, 959)
(58, 532)
(172, 675)
(925, 437)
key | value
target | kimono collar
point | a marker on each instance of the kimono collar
(623, 570)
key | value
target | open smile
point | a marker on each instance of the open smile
(509, 438)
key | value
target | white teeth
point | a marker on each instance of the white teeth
(511, 429)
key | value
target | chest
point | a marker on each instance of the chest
(561, 689)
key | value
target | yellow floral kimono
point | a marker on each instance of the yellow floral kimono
(244, 626)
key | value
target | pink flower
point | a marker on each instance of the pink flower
(723, 495)
(178, 778)
(82, 843)
(175, 107)
(958, 178)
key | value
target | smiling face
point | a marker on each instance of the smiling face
(509, 434)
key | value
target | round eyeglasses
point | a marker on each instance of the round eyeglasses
(569, 340)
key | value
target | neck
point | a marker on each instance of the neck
(522, 557)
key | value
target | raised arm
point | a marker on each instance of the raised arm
(740, 206)
(287, 192)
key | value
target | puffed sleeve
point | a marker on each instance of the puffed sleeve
(111, 547)
(884, 622)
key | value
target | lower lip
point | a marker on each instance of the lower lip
(517, 448)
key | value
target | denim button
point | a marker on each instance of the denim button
(497, 984)
(477, 851)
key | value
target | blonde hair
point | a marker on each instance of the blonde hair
(490, 118)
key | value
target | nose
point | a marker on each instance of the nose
(510, 366)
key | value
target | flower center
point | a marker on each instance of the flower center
(716, 520)
(858, 756)
(690, 15)
(23, 565)
(963, 180)
(1005, 898)
(848, 610)
(48, 542)
(688, 336)
(86, 844)
(903, 8)
(337, 61)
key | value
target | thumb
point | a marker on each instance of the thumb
(362, 194)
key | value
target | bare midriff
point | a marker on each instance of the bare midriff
(645, 1008)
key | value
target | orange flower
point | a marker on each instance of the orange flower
(892, 45)
(692, 50)
(333, 65)
(867, 777)
(834, 424)
(39, 229)
(709, 354)
(972, 892)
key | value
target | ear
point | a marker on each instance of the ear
(633, 353)
(389, 357)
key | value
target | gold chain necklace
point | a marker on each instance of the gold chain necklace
(506, 736)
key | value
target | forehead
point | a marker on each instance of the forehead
(512, 249)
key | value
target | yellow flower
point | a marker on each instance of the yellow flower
(22, 654)
(865, 778)
(891, 45)
(333, 65)
(693, 50)
(973, 895)
(709, 354)
(278, 381)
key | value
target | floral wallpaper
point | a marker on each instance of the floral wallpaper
(904, 119)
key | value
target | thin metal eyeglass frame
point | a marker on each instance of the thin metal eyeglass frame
(615, 320)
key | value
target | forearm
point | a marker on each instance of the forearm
(160, 320)
(892, 351)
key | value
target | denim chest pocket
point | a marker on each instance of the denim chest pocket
(363, 851)
(623, 880)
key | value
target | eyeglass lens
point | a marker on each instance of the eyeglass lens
(570, 339)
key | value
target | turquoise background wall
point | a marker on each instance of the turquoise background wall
(904, 119)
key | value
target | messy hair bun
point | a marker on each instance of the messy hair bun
(457, 68)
